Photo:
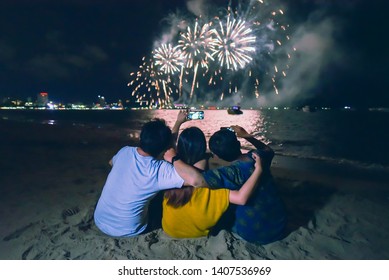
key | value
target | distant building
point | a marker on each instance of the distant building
(42, 99)
(141, 104)
(180, 106)
(102, 101)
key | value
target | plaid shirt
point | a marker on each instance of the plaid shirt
(263, 218)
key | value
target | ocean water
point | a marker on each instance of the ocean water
(357, 138)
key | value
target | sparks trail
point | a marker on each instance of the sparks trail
(150, 86)
(197, 46)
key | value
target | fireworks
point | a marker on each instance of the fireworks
(223, 55)
(168, 58)
(234, 43)
(197, 45)
(150, 85)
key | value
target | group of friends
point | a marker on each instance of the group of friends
(196, 201)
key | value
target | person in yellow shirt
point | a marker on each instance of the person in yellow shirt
(192, 212)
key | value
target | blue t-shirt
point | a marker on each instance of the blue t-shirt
(134, 180)
(263, 218)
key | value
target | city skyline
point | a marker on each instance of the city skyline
(44, 98)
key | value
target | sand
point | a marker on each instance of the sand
(51, 178)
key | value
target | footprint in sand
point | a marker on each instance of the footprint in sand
(70, 212)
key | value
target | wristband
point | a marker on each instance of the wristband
(176, 157)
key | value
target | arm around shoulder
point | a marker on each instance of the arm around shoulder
(241, 196)
(191, 176)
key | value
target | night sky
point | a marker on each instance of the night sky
(76, 50)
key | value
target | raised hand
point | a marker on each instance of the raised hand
(240, 131)
(181, 117)
(257, 158)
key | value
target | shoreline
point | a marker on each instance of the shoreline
(51, 179)
(340, 175)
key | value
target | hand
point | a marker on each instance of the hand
(169, 154)
(181, 117)
(258, 163)
(240, 131)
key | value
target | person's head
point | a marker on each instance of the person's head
(155, 137)
(225, 145)
(191, 148)
(191, 145)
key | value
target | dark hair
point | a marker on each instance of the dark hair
(179, 197)
(191, 145)
(191, 148)
(225, 145)
(155, 137)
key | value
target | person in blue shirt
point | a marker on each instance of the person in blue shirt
(138, 173)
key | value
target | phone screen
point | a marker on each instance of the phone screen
(195, 115)
(228, 128)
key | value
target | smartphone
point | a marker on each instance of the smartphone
(228, 128)
(195, 115)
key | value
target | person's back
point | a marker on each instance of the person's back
(135, 178)
(263, 218)
(193, 212)
(198, 216)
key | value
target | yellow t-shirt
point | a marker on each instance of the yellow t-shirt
(198, 216)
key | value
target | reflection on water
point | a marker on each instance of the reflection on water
(331, 135)
(251, 120)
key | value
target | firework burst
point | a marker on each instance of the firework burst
(197, 45)
(150, 86)
(169, 59)
(234, 43)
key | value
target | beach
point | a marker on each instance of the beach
(51, 178)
